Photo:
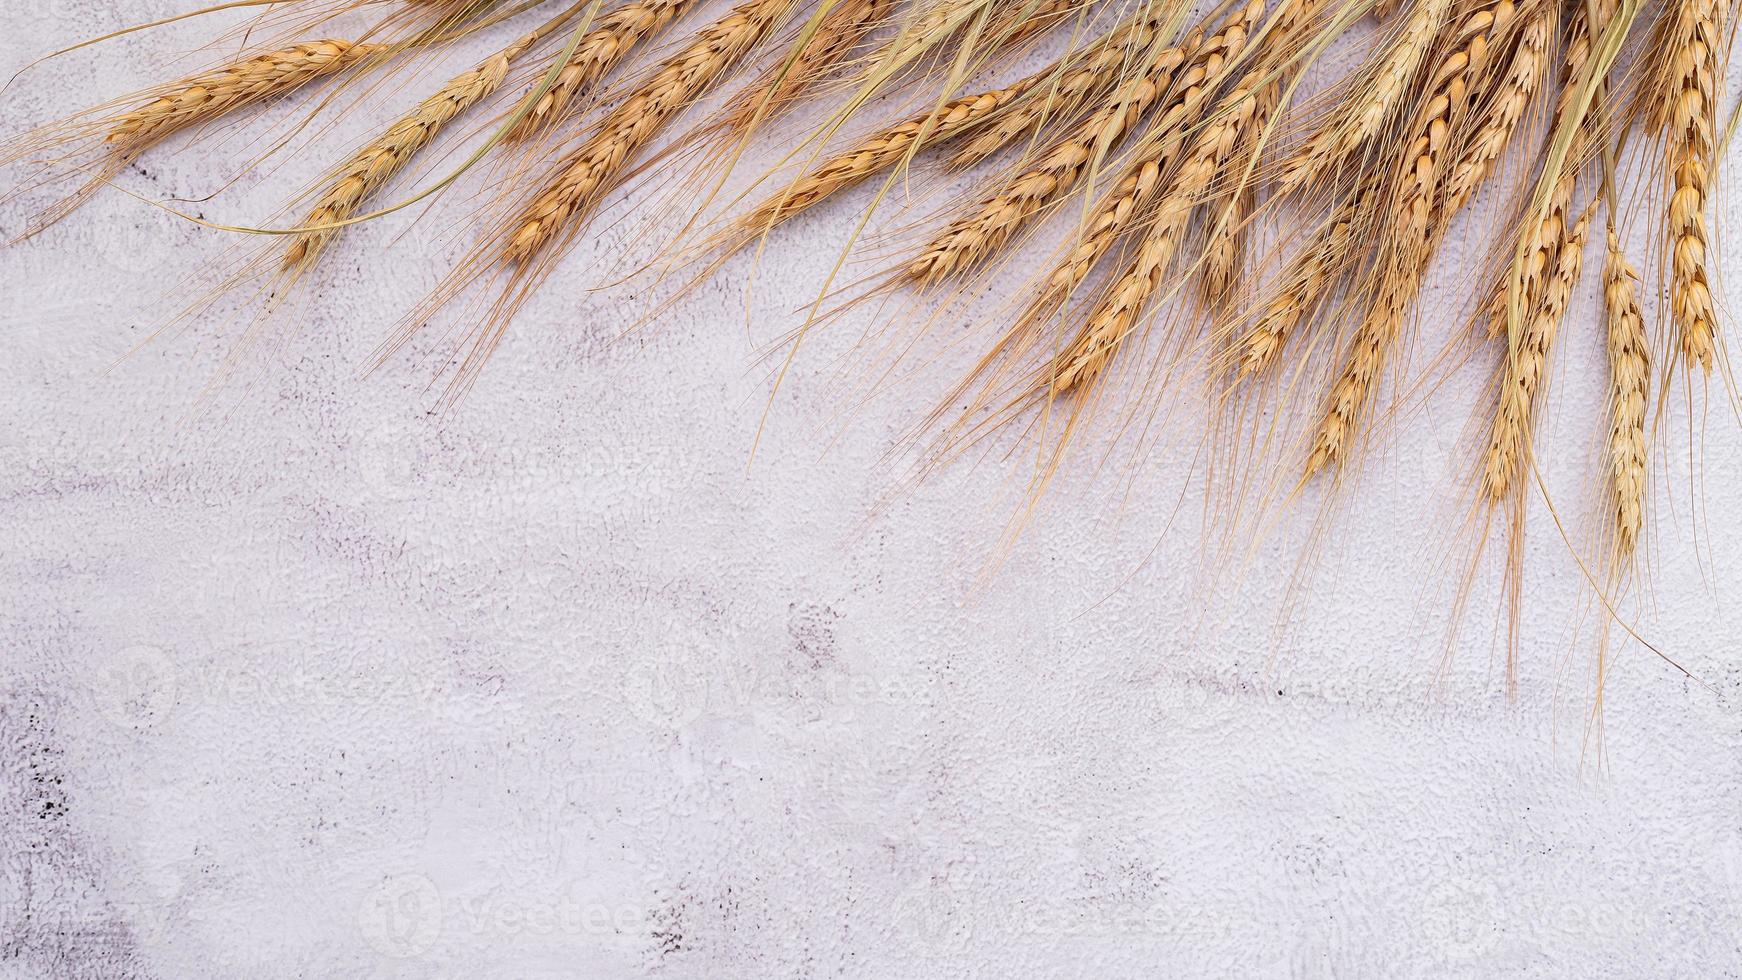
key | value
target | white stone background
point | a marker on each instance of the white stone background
(566, 684)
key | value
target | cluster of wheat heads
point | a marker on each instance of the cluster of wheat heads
(1203, 192)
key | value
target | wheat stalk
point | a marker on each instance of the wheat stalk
(587, 173)
(1629, 386)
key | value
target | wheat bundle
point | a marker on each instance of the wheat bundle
(1158, 145)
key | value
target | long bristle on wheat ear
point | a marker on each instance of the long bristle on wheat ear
(376, 163)
(202, 98)
(589, 172)
(604, 47)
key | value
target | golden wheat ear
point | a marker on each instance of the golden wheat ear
(201, 99)
(1687, 122)
(1629, 353)
(1461, 78)
(613, 38)
(523, 251)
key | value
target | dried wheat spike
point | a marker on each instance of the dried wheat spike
(203, 98)
(603, 48)
(1688, 118)
(1142, 178)
(1227, 213)
(839, 32)
(1629, 387)
(375, 164)
(1367, 107)
(1412, 228)
(870, 156)
(1526, 364)
(587, 173)
(1498, 120)
(1087, 74)
(1539, 249)
(974, 236)
(1309, 276)
(1116, 316)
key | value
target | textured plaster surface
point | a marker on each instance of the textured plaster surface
(565, 685)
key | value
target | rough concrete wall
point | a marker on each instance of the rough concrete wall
(559, 686)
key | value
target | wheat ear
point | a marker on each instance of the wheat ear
(872, 155)
(1087, 74)
(602, 49)
(835, 36)
(588, 173)
(375, 164)
(1226, 247)
(1543, 241)
(974, 236)
(1413, 226)
(1499, 118)
(1526, 365)
(1141, 181)
(1365, 110)
(1689, 118)
(203, 98)
(1629, 387)
(1303, 285)
(1115, 317)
